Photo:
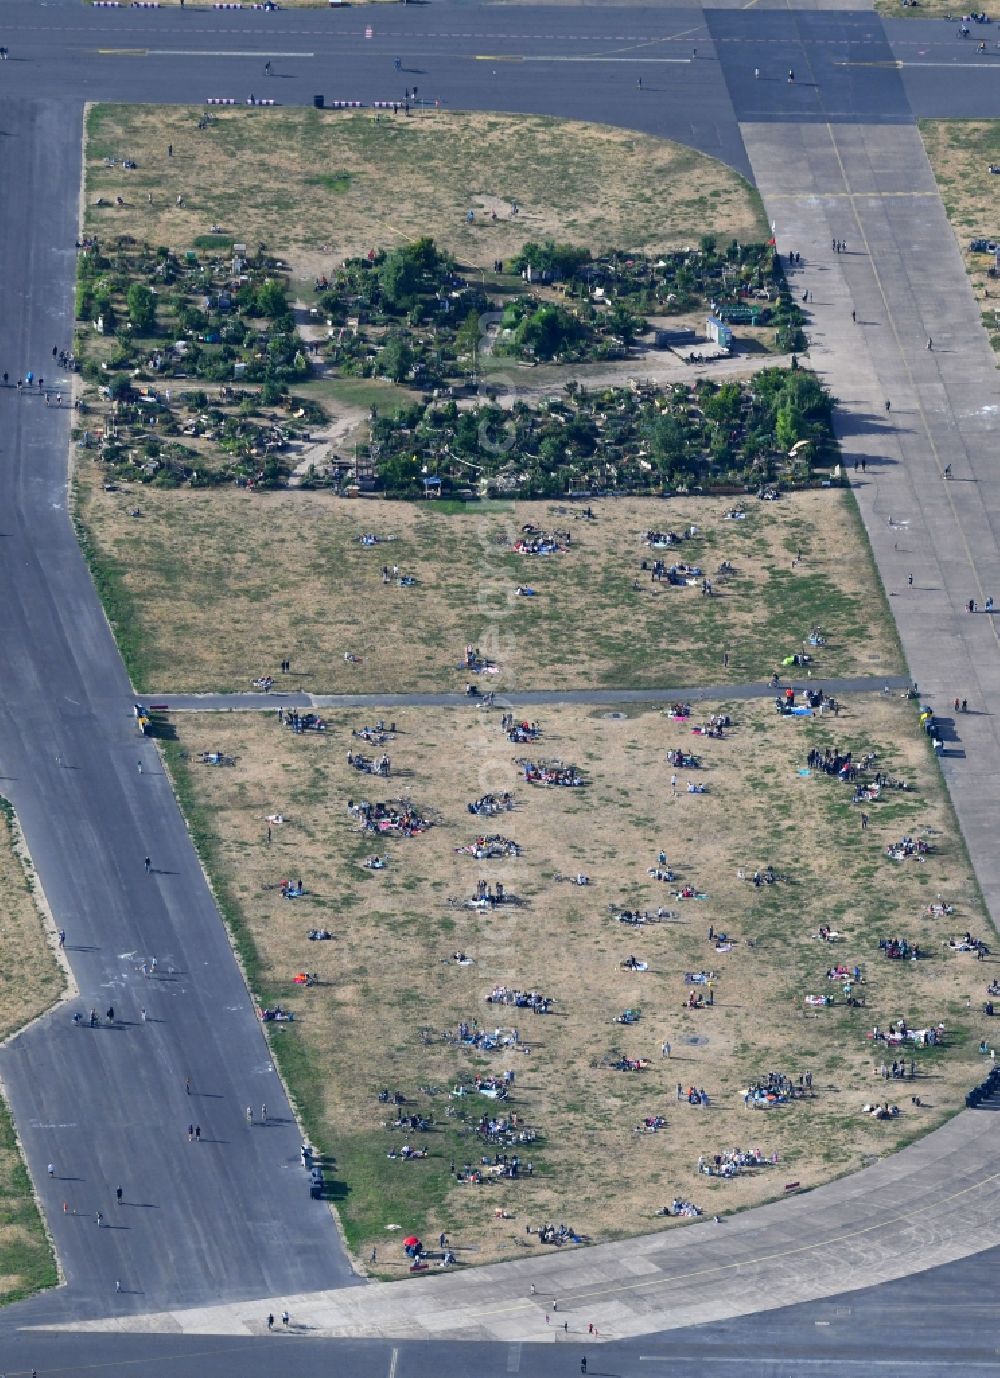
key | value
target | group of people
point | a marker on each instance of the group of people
(489, 848)
(488, 805)
(549, 773)
(901, 1032)
(734, 1162)
(521, 999)
(906, 847)
(390, 815)
(534, 541)
(301, 722)
(369, 765)
(900, 949)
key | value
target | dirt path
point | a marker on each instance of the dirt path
(653, 366)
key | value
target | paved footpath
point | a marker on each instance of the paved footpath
(255, 703)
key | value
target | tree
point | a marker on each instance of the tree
(562, 260)
(548, 331)
(271, 300)
(723, 406)
(467, 336)
(408, 273)
(788, 424)
(396, 359)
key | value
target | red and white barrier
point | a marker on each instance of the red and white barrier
(221, 100)
(346, 104)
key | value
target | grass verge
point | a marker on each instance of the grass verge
(961, 153)
(30, 980)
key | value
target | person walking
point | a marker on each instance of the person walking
(187, 1085)
(249, 1114)
(285, 1318)
(197, 1133)
(142, 1014)
(118, 1285)
(99, 1219)
(52, 1166)
(263, 1114)
(140, 767)
(62, 937)
(270, 1321)
(190, 1133)
(147, 863)
(118, 1195)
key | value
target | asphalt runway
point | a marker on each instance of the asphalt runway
(938, 1324)
(697, 67)
(108, 1106)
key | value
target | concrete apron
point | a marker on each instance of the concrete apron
(904, 278)
(933, 1203)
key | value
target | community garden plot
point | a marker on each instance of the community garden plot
(753, 984)
(215, 589)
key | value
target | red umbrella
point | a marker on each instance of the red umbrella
(409, 1243)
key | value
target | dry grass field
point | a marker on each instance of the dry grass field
(390, 988)
(30, 980)
(328, 184)
(211, 588)
(961, 152)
